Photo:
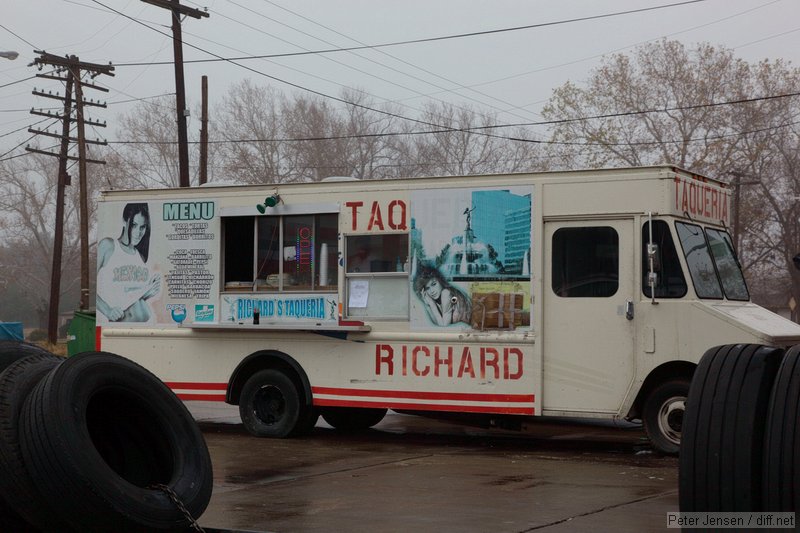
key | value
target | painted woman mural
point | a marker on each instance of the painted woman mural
(124, 281)
(444, 304)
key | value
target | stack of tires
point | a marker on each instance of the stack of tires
(740, 450)
(95, 443)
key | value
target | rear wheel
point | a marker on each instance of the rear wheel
(270, 406)
(351, 418)
(663, 415)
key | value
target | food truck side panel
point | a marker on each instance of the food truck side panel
(479, 359)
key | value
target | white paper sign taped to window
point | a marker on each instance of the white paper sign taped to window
(358, 293)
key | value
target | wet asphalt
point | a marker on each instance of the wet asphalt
(415, 474)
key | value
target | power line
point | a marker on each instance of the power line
(521, 124)
(416, 41)
(18, 37)
(384, 65)
(18, 81)
(134, 99)
(596, 56)
(17, 146)
(388, 113)
(517, 139)
(298, 86)
(26, 127)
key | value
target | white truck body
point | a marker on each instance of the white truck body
(545, 304)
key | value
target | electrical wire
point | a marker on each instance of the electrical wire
(26, 127)
(15, 82)
(298, 86)
(20, 38)
(517, 139)
(521, 124)
(384, 65)
(423, 40)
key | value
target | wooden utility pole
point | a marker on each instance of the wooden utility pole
(737, 204)
(84, 201)
(180, 91)
(74, 69)
(204, 132)
(58, 237)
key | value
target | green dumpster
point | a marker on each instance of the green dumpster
(81, 333)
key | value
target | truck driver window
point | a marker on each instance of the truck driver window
(585, 262)
(698, 258)
(670, 282)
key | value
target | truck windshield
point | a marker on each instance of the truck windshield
(730, 272)
(712, 262)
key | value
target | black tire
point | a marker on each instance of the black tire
(10, 351)
(308, 420)
(663, 415)
(270, 406)
(17, 488)
(723, 429)
(99, 432)
(352, 418)
(782, 440)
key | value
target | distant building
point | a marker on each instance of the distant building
(503, 221)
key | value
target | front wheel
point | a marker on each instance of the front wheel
(663, 415)
(270, 405)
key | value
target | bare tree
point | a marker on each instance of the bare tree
(669, 105)
(464, 143)
(148, 156)
(27, 196)
(251, 125)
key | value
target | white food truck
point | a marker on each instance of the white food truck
(500, 297)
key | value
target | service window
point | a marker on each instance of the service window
(670, 281)
(585, 262)
(376, 270)
(281, 253)
(238, 237)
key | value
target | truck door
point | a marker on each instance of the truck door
(588, 323)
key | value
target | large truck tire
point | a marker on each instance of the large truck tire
(106, 442)
(723, 429)
(663, 415)
(270, 406)
(352, 418)
(782, 440)
(17, 488)
(10, 351)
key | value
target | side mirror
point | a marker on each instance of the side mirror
(653, 253)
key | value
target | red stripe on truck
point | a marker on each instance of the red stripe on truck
(430, 401)
(462, 396)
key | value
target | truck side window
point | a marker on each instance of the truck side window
(376, 269)
(670, 281)
(585, 262)
(377, 253)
